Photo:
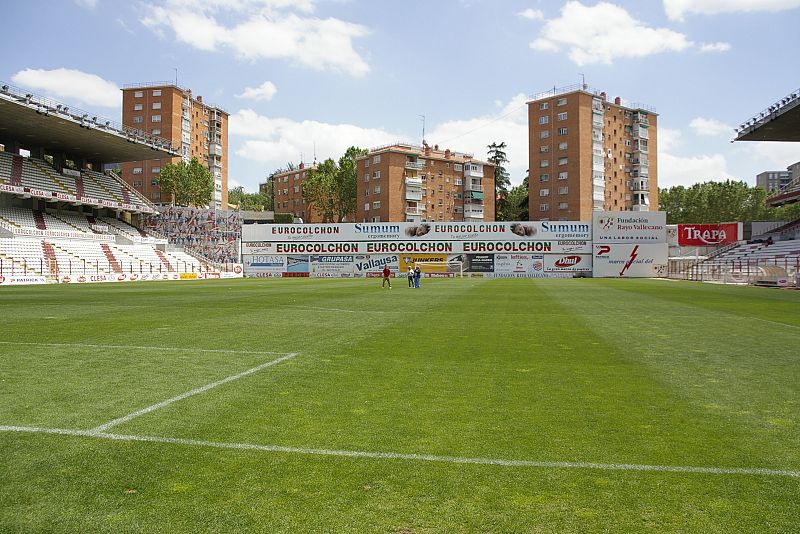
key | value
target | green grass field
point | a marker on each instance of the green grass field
(469, 405)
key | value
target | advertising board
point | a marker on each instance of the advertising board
(615, 260)
(706, 235)
(630, 227)
(566, 246)
(567, 262)
(332, 266)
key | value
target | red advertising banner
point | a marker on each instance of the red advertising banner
(705, 235)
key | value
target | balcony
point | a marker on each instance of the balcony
(415, 165)
(473, 212)
(414, 194)
(641, 171)
(415, 210)
(640, 185)
(473, 185)
(641, 118)
(640, 131)
(413, 181)
(215, 149)
(473, 171)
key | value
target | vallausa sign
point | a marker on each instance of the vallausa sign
(706, 235)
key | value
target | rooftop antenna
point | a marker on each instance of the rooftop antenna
(176, 75)
(583, 80)
(315, 152)
(422, 118)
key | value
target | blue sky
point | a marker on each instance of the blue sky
(295, 74)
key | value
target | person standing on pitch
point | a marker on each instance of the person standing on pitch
(417, 275)
(386, 274)
(410, 276)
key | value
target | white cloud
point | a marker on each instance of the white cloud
(669, 139)
(264, 31)
(773, 155)
(86, 4)
(715, 47)
(676, 9)
(265, 91)
(280, 140)
(603, 33)
(531, 14)
(676, 170)
(72, 86)
(710, 127)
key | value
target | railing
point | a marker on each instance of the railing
(556, 91)
(767, 271)
(415, 165)
(47, 106)
(88, 267)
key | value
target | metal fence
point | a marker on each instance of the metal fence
(85, 267)
(783, 272)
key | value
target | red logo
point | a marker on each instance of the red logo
(634, 254)
(700, 235)
(134, 276)
(81, 279)
(2, 279)
(121, 277)
(65, 280)
(603, 249)
(568, 261)
(237, 269)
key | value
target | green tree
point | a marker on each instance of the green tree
(247, 201)
(714, 202)
(330, 188)
(497, 157)
(187, 184)
(517, 209)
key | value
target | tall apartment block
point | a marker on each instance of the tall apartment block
(287, 191)
(171, 112)
(587, 154)
(773, 181)
(403, 182)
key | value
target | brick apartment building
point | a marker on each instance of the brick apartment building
(287, 191)
(587, 153)
(403, 182)
(199, 129)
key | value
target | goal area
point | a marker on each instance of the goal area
(446, 269)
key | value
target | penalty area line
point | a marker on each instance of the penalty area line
(124, 419)
(747, 471)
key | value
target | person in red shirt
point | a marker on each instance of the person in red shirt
(386, 274)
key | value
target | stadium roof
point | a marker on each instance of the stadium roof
(37, 122)
(779, 122)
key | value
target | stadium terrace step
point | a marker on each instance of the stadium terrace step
(16, 171)
(50, 257)
(164, 260)
(51, 174)
(80, 190)
(126, 196)
(38, 216)
(112, 260)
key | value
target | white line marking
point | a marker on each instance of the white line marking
(136, 347)
(323, 309)
(196, 391)
(774, 322)
(750, 471)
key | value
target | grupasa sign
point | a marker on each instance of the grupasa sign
(707, 235)
(423, 231)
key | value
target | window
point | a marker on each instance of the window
(137, 107)
(562, 145)
(285, 191)
(376, 175)
(447, 164)
(458, 195)
(297, 189)
(544, 192)
(137, 183)
(562, 175)
(562, 161)
(285, 179)
(544, 163)
(544, 207)
(440, 201)
(440, 187)
(544, 149)
(376, 205)
(137, 170)
(544, 177)
(628, 142)
(544, 119)
(156, 92)
(155, 195)
(366, 177)
(561, 102)
(544, 134)
(366, 192)
(366, 162)
(366, 206)
(137, 120)
(377, 190)
(563, 190)
(154, 182)
(138, 94)
(457, 166)
(458, 181)
(563, 206)
(562, 116)
(156, 105)
(376, 219)
(376, 159)
(155, 118)
(562, 131)
(544, 105)
(156, 131)
(156, 170)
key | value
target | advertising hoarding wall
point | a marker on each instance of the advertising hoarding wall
(626, 260)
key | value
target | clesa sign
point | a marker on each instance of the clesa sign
(704, 235)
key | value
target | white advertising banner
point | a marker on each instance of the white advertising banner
(630, 227)
(21, 280)
(615, 260)
(272, 264)
(576, 246)
(332, 266)
(371, 266)
(401, 231)
(567, 263)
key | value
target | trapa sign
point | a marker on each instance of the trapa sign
(699, 235)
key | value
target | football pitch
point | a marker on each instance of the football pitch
(469, 405)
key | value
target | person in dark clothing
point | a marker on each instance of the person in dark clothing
(386, 277)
